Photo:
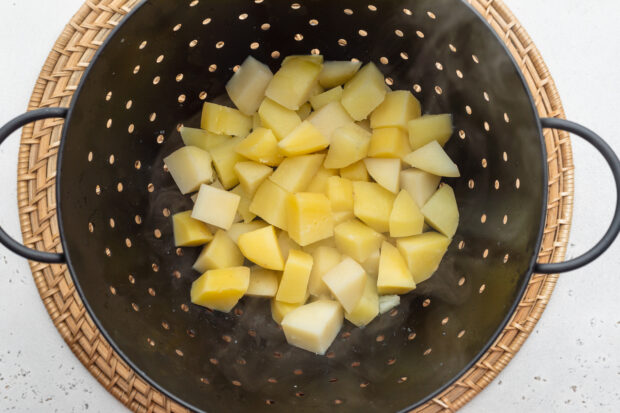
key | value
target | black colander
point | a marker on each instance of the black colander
(115, 199)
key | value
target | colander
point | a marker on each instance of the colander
(115, 198)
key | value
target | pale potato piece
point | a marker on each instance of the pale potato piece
(201, 138)
(239, 228)
(346, 281)
(365, 123)
(355, 172)
(189, 232)
(278, 118)
(222, 216)
(349, 144)
(221, 289)
(190, 167)
(398, 108)
(221, 252)
(342, 216)
(293, 287)
(394, 276)
(433, 159)
(319, 180)
(364, 92)
(340, 193)
(368, 306)
(261, 146)
(442, 212)
(406, 218)
(243, 210)
(304, 111)
(302, 140)
(256, 123)
(423, 253)
(292, 84)
(327, 242)
(224, 120)
(279, 310)
(251, 175)
(294, 174)
(430, 128)
(263, 283)
(373, 205)
(329, 118)
(387, 302)
(269, 203)
(389, 143)
(246, 88)
(309, 218)
(262, 248)
(336, 73)
(286, 244)
(325, 258)
(420, 185)
(325, 98)
(357, 240)
(385, 171)
(313, 327)
(317, 59)
(316, 89)
(224, 160)
(371, 265)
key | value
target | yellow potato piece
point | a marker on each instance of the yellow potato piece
(368, 306)
(262, 248)
(201, 138)
(371, 265)
(222, 216)
(278, 118)
(430, 128)
(251, 175)
(342, 216)
(190, 167)
(292, 84)
(420, 185)
(279, 310)
(349, 144)
(224, 120)
(389, 143)
(286, 244)
(322, 99)
(336, 73)
(398, 108)
(224, 160)
(423, 253)
(319, 180)
(340, 193)
(246, 88)
(263, 283)
(309, 218)
(433, 159)
(442, 212)
(221, 252)
(373, 205)
(346, 281)
(357, 240)
(327, 242)
(394, 276)
(239, 228)
(329, 118)
(355, 172)
(293, 287)
(385, 171)
(261, 146)
(189, 232)
(317, 59)
(220, 289)
(302, 140)
(243, 209)
(304, 111)
(295, 173)
(325, 258)
(406, 218)
(269, 203)
(256, 123)
(313, 327)
(364, 92)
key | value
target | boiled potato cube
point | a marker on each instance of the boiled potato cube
(279, 310)
(302, 140)
(342, 216)
(243, 210)
(336, 73)
(292, 84)
(389, 143)
(189, 232)
(357, 240)
(224, 160)
(286, 244)
(294, 174)
(313, 327)
(239, 228)
(385, 171)
(304, 111)
(394, 276)
(215, 206)
(371, 265)
(368, 306)
(317, 59)
(373, 205)
(293, 287)
(224, 120)
(420, 185)
(309, 218)
(221, 289)
(251, 175)
(364, 92)
(221, 252)
(398, 108)
(269, 203)
(387, 302)
(325, 258)
(329, 118)
(319, 180)
(441, 211)
(247, 86)
(430, 128)
(278, 118)
(423, 253)
(261, 146)
(316, 89)
(349, 144)
(346, 281)
(433, 159)
(340, 193)
(263, 283)
(201, 138)
(355, 172)
(322, 99)
(406, 218)
(190, 167)
(262, 248)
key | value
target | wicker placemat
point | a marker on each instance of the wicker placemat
(37, 204)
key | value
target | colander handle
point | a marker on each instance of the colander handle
(5, 132)
(614, 229)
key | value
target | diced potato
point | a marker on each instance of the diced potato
(239, 228)
(349, 144)
(406, 218)
(293, 287)
(279, 310)
(319, 180)
(309, 218)
(394, 276)
(286, 244)
(246, 88)
(398, 108)
(292, 84)
(317, 59)
(371, 265)
(322, 99)
(423, 253)
(336, 73)
(346, 281)
(430, 128)
(329, 118)
(304, 111)
(261, 146)
(294, 174)
(365, 123)
(313, 327)
(357, 240)
(262, 248)
(385, 171)
(189, 232)
(355, 172)
(389, 143)
(302, 140)
(221, 252)
(201, 138)
(263, 283)
(420, 185)
(327, 242)
(340, 193)
(251, 175)
(221, 289)
(315, 90)
(325, 258)
(373, 205)
(387, 302)
(342, 216)
(222, 216)
(256, 123)
(224, 160)
(269, 203)
(224, 120)
(190, 167)
(368, 306)
(433, 159)
(441, 211)
(278, 118)
(243, 210)
(364, 92)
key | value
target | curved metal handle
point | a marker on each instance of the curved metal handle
(5, 132)
(614, 228)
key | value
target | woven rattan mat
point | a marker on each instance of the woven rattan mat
(55, 86)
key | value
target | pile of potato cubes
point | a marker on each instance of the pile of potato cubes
(338, 229)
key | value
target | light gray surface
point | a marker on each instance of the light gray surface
(571, 361)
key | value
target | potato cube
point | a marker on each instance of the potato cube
(292, 84)
(261, 146)
(319, 180)
(215, 206)
(368, 306)
(262, 248)
(441, 211)
(251, 175)
(325, 258)
(224, 160)
(389, 143)
(385, 171)
(430, 128)
(336, 73)
(342, 216)
(221, 252)
(433, 159)
(302, 140)
(279, 310)
(201, 138)
(329, 118)
(406, 218)
(309, 218)
(190, 167)
(304, 111)
(278, 118)
(346, 281)
(364, 92)
(394, 276)
(263, 283)
(317, 59)
(239, 228)
(224, 120)
(423, 253)
(355, 172)
(313, 327)
(349, 144)
(340, 193)
(221, 289)
(315, 90)
(294, 283)
(269, 203)
(247, 86)
(398, 108)
(189, 232)
(243, 210)
(294, 174)
(320, 100)
(420, 185)
(357, 240)
(327, 242)
(373, 205)
(387, 302)
(286, 244)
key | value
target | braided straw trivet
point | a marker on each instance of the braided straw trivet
(55, 86)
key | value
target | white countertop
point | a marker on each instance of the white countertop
(571, 363)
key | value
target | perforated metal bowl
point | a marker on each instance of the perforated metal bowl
(115, 199)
